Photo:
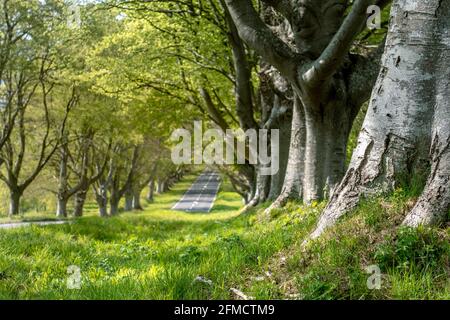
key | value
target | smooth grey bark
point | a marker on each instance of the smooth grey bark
(277, 180)
(319, 71)
(293, 180)
(103, 211)
(433, 206)
(261, 189)
(277, 108)
(395, 137)
(327, 131)
(61, 207)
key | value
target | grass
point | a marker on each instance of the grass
(158, 254)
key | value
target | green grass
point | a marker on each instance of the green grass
(415, 263)
(157, 254)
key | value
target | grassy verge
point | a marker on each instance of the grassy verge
(158, 254)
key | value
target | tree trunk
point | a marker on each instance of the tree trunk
(14, 203)
(277, 180)
(433, 206)
(319, 70)
(61, 207)
(62, 196)
(160, 186)
(395, 137)
(151, 191)
(128, 200)
(114, 199)
(113, 206)
(137, 199)
(292, 186)
(328, 121)
(101, 197)
(80, 199)
(261, 189)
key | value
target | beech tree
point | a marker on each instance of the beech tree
(77, 170)
(406, 126)
(123, 169)
(330, 83)
(209, 71)
(30, 83)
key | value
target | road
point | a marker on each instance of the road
(201, 195)
(14, 225)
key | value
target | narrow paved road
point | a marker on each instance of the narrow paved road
(201, 195)
(27, 224)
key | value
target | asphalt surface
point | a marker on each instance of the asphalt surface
(201, 195)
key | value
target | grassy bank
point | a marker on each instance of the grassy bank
(158, 254)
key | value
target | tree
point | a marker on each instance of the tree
(47, 141)
(218, 63)
(147, 169)
(13, 27)
(80, 164)
(123, 170)
(330, 83)
(407, 116)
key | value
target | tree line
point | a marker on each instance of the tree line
(57, 127)
(136, 70)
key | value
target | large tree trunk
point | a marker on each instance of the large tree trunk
(128, 200)
(101, 197)
(277, 180)
(14, 202)
(320, 71)
(328, 121)
(80, 200)
(261, 188)
(434, 204)
(113, 206)
(395, 137)
(61, 206)
(114, 200)
(292, 186)
(137, 199)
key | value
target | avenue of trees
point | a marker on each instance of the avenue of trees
(87, 110)
(64, 136)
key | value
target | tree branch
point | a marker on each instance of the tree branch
(331, 58)
(261, 38)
